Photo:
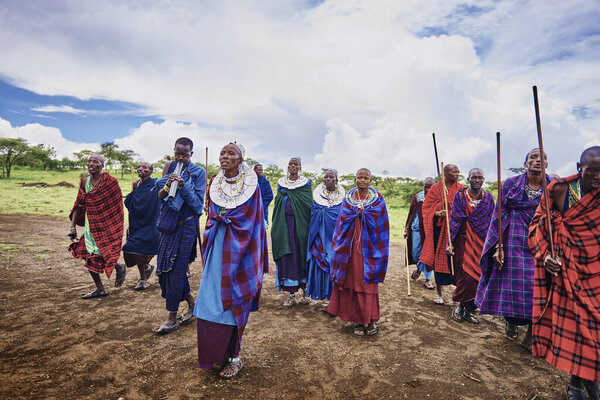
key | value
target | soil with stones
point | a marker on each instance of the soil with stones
(54, 345)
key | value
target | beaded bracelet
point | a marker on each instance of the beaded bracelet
(166, 188)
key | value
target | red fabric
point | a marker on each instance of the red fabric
(104, 207)
(355, 301)
(435, 256)
(566, 308)
(473, 250)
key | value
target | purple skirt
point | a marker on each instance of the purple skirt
(216, 342)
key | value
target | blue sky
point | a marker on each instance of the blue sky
(343, 84)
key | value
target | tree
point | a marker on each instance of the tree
(11, 152)
(273, 173)
(250, 162)
(81, 157)
(110, 151)
(125, 158)
(40, 156)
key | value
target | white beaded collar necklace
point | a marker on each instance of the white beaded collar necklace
(228, 193)
(324, 197)
(289, 184)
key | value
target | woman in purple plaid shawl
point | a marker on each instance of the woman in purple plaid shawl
(234, 251)
(361, 248)
(507, 273)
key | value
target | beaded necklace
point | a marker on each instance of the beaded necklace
(326, 198)
(229, 192)
(472, 200)
(533, 193)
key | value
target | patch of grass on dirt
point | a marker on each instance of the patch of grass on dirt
(41, 256)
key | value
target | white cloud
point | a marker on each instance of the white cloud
(345, 84)
(59, 109)
(39, 134)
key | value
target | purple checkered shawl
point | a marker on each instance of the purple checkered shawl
(509, 292)
(375, 240)
(479, 219)
(245, 254)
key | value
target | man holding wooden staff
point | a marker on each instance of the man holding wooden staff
(566, 294)
(469, 220)
(434, 254)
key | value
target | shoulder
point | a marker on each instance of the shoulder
(165, 170)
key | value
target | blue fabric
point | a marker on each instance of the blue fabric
(319, 254)
(417, 246)
(143, 205)
(192, 192)
(209, 304)
(267, 194)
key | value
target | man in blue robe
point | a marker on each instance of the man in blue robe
(265, 191)
(142, 235)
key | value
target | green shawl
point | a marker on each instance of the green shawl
(302, 200)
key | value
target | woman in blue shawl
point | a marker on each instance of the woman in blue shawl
(327, 202)
(234, 251)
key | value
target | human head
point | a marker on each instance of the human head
(330, 179)
(230, 159)
(427, 184)
(533, 161)
(144, 169)
(95, 164)
(258, 168)
(589, 169)
(294, 166)
(363, 178)
(451, 173)
(183, 150)
(476, 178)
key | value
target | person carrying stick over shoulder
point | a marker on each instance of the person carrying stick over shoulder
(434, 254)
(566, 289)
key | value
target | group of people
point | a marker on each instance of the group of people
(531, 260)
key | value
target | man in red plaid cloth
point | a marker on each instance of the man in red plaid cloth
(99, 209)
(566, 296)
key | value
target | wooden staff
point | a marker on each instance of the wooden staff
(406, 264)
(499, 199)
(443, 180)
(437, 162)
(543, 164)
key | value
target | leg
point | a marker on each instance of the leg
(142, 270)
(142, 283)
(438, 299)
(169, 325)
(99, 292)
(575, 389)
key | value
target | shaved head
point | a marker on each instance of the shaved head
(473, 170)
(589, 153)
(428, 180)
(364, 169)
(447, 167)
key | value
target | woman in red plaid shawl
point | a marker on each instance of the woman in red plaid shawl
(566, 294)
(99, 209)
(234, 251)
(361, 248)
(469, 220)
(434, 254)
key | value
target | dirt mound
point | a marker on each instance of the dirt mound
(44, 184)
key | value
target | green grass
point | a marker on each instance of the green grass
(58, 201)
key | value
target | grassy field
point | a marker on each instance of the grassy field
(58, 201)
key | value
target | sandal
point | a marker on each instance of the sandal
(163, 330)
(359, 330)
(469, 317)
(415, 275)
(234, 365)
(428, 285)
(512, 332)
(439, 300)
(290, 301)
(458, 314)
(373, 331)
(93, 295)
(304, 300)
(186, 318)
(141, 285)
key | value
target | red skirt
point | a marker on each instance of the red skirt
(355, 301)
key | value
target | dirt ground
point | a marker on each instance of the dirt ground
(54, 345)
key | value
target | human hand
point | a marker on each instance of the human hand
(72, 234)
(441, 213)
(552, 265)
(499, 257)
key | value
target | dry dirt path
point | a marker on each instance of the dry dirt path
(54, 345)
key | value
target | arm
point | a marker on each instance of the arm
(412, 211)
(194, 189)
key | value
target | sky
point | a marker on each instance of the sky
(342, 84)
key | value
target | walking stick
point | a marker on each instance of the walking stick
(543, 164)
(447, 222)
(406, 264)
(437, 162)
(500, 251)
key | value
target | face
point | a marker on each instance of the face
(476, 179)
(259, 170)
(143, 170)
(427, 185)
(94, 165)
(183, 153)
(534, 162)
(590, 173)
(229, 158)
(363, 179)
(294, 166)
(329, 180)
(451, 173)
